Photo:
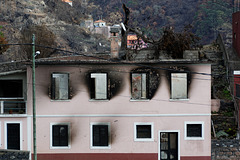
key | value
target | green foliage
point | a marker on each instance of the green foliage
(210, 17)
(227, 94)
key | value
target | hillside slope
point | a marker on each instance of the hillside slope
(55, 23)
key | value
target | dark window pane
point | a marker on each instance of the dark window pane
(11, 88)
(238, 90)
(194, 130)
(60, 135)
(13, 136)
(100, 135)
(143, 131)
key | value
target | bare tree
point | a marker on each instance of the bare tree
(44, 37)
(174, 43)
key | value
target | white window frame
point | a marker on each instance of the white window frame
(91, 135)
(143, 139)
(55, 86)
(193, 122)
(159, 142)
(172, 88)
(5, 132)
(96, 76)
(69, 136)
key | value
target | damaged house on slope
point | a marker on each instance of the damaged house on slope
(104, 107)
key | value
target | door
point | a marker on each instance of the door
(168, 145)
(13, 136)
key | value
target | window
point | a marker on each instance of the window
(11, 88)
(60, 135)
(178, 85)
(100, 135)
(139, 86)
(60, 87)
(143, 131)
(238, 90)
(13, 135)
(98, 86)
(194, 130)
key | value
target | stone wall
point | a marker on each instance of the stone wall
(225, 149)
(14, 155)
(12, 66)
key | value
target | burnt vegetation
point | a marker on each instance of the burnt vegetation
(3, 41)
(174, 43)
(44, 37)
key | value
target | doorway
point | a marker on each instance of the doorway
(13, 136)
(169, 146)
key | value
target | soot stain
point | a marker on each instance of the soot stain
(153, 80)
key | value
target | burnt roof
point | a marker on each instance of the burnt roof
(106, 59)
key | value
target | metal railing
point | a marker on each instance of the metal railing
(12, 107)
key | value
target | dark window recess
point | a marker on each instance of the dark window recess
(11, 88)
(59, 135)
(238, 90)
(144, 131)
(194, 130)
(100, 135)
(60, 87)
(13, 136)
(139, 86)
(98, 87)
(92, 88)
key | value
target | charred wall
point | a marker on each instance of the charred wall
(114, 81)
(153, 79)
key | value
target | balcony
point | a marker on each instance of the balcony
(13, 107)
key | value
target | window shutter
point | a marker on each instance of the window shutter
(60, 135)
(96, 135)
(100, 85)
(63, 131)
(60, 86)
(179, 85)
(136, 86)
(139, 85)
(55, 134)
(194, 130)
(144, 131)
(100, 135)
(104, 135)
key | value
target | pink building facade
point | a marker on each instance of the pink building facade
(100, 110)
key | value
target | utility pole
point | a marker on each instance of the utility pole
(33, 98)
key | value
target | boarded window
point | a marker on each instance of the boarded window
(98, 85)
(11, 88)
(100, 135)
(60, 86)
(59, 135)
(194, 130)
(143, 131)
(139, 85)
(238, 90)
(179, 85)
